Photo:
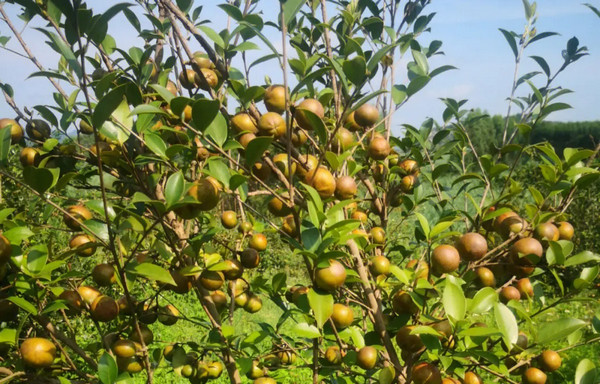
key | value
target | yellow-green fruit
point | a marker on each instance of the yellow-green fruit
(409, 167)
(202, 60)
(345, 188)
(286, 357)
(85, 127)
(88, 294)
(272, 124)
(525, 288)
(257, 371)
(380, 265)
(258, 241)
(123, 348)
(547, 232)
(377, 235)
(37, 352)
(207, 79)
(342, 316)
(311, 105)
(16, 131)
(243, 122)
(344, 139)
(76, 215)
(5, 249)
(534, 376)
(278, 208)
(246, 138)
(37, 130)
(281, 162)
(229, 219)
(408, 342)
(331, 277)
(206, 192)
(104, 309)
(366, 115)
(212, 280)
(274, 99)
(565, 230)
(233, 269)
(360, 216)
(549, 361)
(147, 335)
(307, 164)
(444, 259)
(254, 303)
(188, 79)
(333, 355)
(219, 298)
(168, 315)
(402, 303)
(425, 373)
(471, 246)
(104, 275)
(366, 357)
(351, 124)
(408, 183)
(29, 157)
(323, 181)
(129, 364)
(379, 148)
(215, 369)
(264, 380)
(472, 378)
(72, 298)
(289, 226)
(83, 245)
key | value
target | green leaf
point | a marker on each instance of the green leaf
(23, 304)
(214, 36)
(387, 375)
(64, 50)
(510, 38)
(417, 84)
(290, 9)
(543, 64)
(37, 258)
(594, 9)
(107, 369)
(97, 228)
(317, 123)
(423, 223)
(174, 188)
(8, 336)
(156, 144)
(17, 234)
(454, 301)
(217, 130)
(4, 144)
(421, 61)
(399, 94)
(40, 179)
(148, 109)
(582, 258)
(120, 129)
(483, 300)
(586, 372)
(153, 272)
(321, 305)
(355, 70)
(507, 323)
(559, 329)
(256, 148)
(306, 330)
(163, 92)
(204, 112)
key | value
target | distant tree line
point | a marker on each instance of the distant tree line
(486, 132)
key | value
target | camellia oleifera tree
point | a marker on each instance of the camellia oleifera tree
(159, 172)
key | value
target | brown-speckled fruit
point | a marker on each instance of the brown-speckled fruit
(243, 122)
(250, 258)
(278, 207)
(379, 148)
(471, 246)
(402, 303)
(534, 376)
(331, 277)
(444, 259)
(345, 188)
(104, 275)
(272, 124)
(333, 355)
(366, 115)
(525, 288)
(5, 249)
(258, 241)
(188, 78)
(546, 232)
(485, 277)
(377, 235)
(509, 293)
(123, 348)
(281, 162)
(425, 373)
(565, 230)
(311, 105)
(207, 79)
(254, 303)
(526, 251)
(472, 378)
(549, 361)
(233, 269)
(323, 181)
(274, 99)
(408, 342)
(147, 335)
(351, 124)
(37, 129)
(37, 352)
(88, 294)
(104, 309)
(342, 316)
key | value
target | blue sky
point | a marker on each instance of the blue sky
(472, 42)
